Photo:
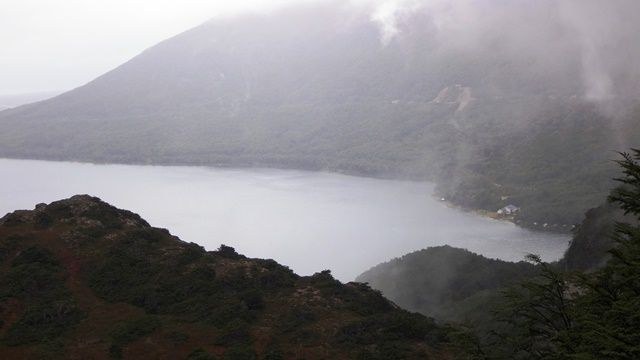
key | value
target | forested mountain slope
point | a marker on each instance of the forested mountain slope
(456, 285)
(442, 281)
(318, 87)
(593, 239)
(585, 306)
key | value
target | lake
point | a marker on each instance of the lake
(309, 221)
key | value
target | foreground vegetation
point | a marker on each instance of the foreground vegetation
(587, 306)
(82, 279)
(577, 315)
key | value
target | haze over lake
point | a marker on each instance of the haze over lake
(309, 221)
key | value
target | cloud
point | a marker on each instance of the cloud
(387, 14)
(598, 39)
(607, 33)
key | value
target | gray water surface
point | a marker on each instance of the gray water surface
(309, 221)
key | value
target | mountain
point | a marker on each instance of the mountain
(456, 285)
(448, 283)
(592, 240)
(585, 306)
(81, 279)
(319, 87)
(11, 101)
(459, 287)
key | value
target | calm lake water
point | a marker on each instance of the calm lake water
(309, 221)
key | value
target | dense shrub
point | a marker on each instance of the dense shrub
(43, 322)
(130, 331)
(240, 352)
(36, 277)
(296, 318)
(201, 354)
(389, 328)
(235, 332)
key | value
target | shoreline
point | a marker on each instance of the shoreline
(378, 175)
(563, 229)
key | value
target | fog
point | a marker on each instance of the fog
(305, 220)
(63, 44)
(251, 86)
(447, 155)
(11, 101)
(600, 36)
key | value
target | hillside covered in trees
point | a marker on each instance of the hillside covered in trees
(585, 307)
(317, 86)
(439, 281)
(81, 279)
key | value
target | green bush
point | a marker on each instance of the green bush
(388, 328)
(240, 352)
(36, 277)
(235, 332)
(201, 354)
(130, 331)
(44, 322)
(296, 318)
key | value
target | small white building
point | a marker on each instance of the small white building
(509, 210)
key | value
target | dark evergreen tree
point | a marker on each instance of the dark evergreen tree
(610, 308)
(585, 316)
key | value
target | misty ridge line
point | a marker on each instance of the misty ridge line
(601, 34)
(430, 90)
(597, 37)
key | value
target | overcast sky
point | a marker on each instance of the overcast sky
(61, 44)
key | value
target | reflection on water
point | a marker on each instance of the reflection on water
(308, 221)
